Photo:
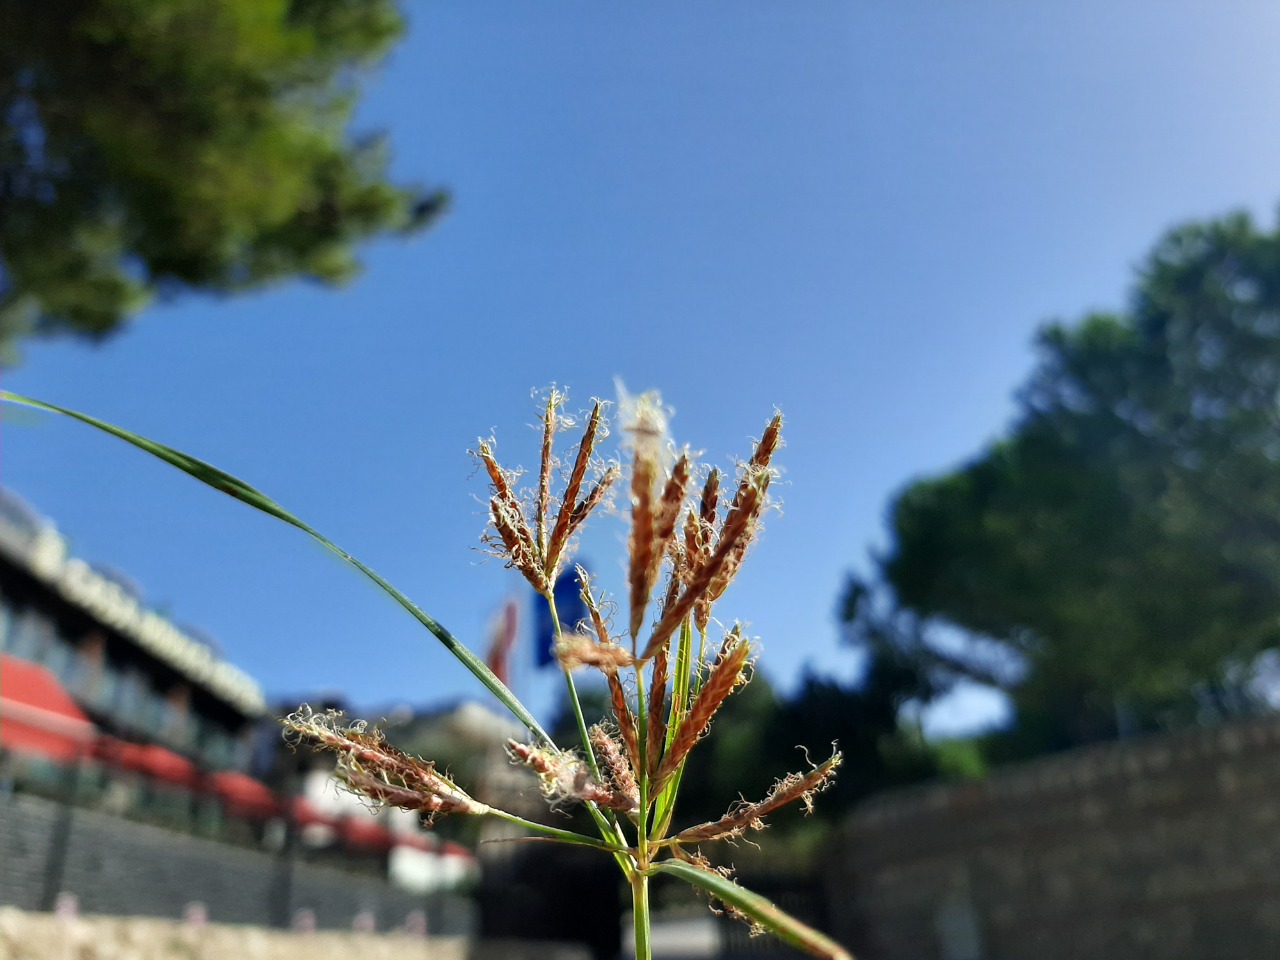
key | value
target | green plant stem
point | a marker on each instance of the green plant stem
(640, 876)
(573, 691)
(642, 775)
(605, 822)
(640, 914)
(664, 805)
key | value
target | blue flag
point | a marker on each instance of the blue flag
(568, 594)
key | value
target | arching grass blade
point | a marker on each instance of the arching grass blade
(237, 488)
(757, 909)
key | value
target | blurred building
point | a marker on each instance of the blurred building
(145, 710)
(108, 705)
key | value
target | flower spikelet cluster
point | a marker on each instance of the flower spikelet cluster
(750, 816)
(373, 768)
(528, 537)
(666, 677)
(566, 778)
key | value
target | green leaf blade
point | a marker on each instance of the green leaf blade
(758, 909)
(234, 487)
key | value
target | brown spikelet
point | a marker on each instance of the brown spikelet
(768, 444)
(753, 479)
(657, 710)
(565, 777)
(710, 497)
(614, 763)
(519, 547)
(744, 519)
(667, 513)
(575, 650)
(674, 580)
(694, 538)
(644, 473)
(598, 622)
(702, 614)
(752, 499)
(498, 478)
(569, 501)
(700, 527)
(739, 528)
(407, 798)
(724, 676)
(550, 419)
(625, 718)
(720, 582)
(760, 457)
(544, 761)
(750, 816)
(593, 499)
(373, 767)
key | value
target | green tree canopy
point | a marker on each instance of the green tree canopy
(157, 146)
(1121, 546)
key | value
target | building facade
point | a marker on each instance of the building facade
(160, 698)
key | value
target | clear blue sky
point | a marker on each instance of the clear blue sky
(858, 213)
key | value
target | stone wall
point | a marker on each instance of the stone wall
(114, 866)
(1163, 847)
(44, 936)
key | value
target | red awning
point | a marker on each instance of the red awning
(244, 796)
(363, 832)
(452, 849)
(122, 754)
(305, 813)
(150, 759)
(418, 841)
(168, 766)
(109, 749)
(38, 716)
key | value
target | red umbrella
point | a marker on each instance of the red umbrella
(244, 796)
(38, 716)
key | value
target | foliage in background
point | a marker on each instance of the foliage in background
(759, 734)
(149, 147)
(1115, 559)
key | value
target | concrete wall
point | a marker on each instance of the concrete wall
(1164, 847)
(114, 866)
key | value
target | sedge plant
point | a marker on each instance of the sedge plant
(669, 665)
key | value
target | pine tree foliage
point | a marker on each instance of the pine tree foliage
(159, 146)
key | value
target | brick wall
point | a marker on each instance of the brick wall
(117, 867)
(1164, 847)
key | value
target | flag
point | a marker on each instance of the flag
(502, 638)
(569, 605)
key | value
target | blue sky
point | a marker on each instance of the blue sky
(858, 213)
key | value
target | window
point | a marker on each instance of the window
(59, 657)
(7, 614)
(32, 633)
(129, 702)
(175, 715)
